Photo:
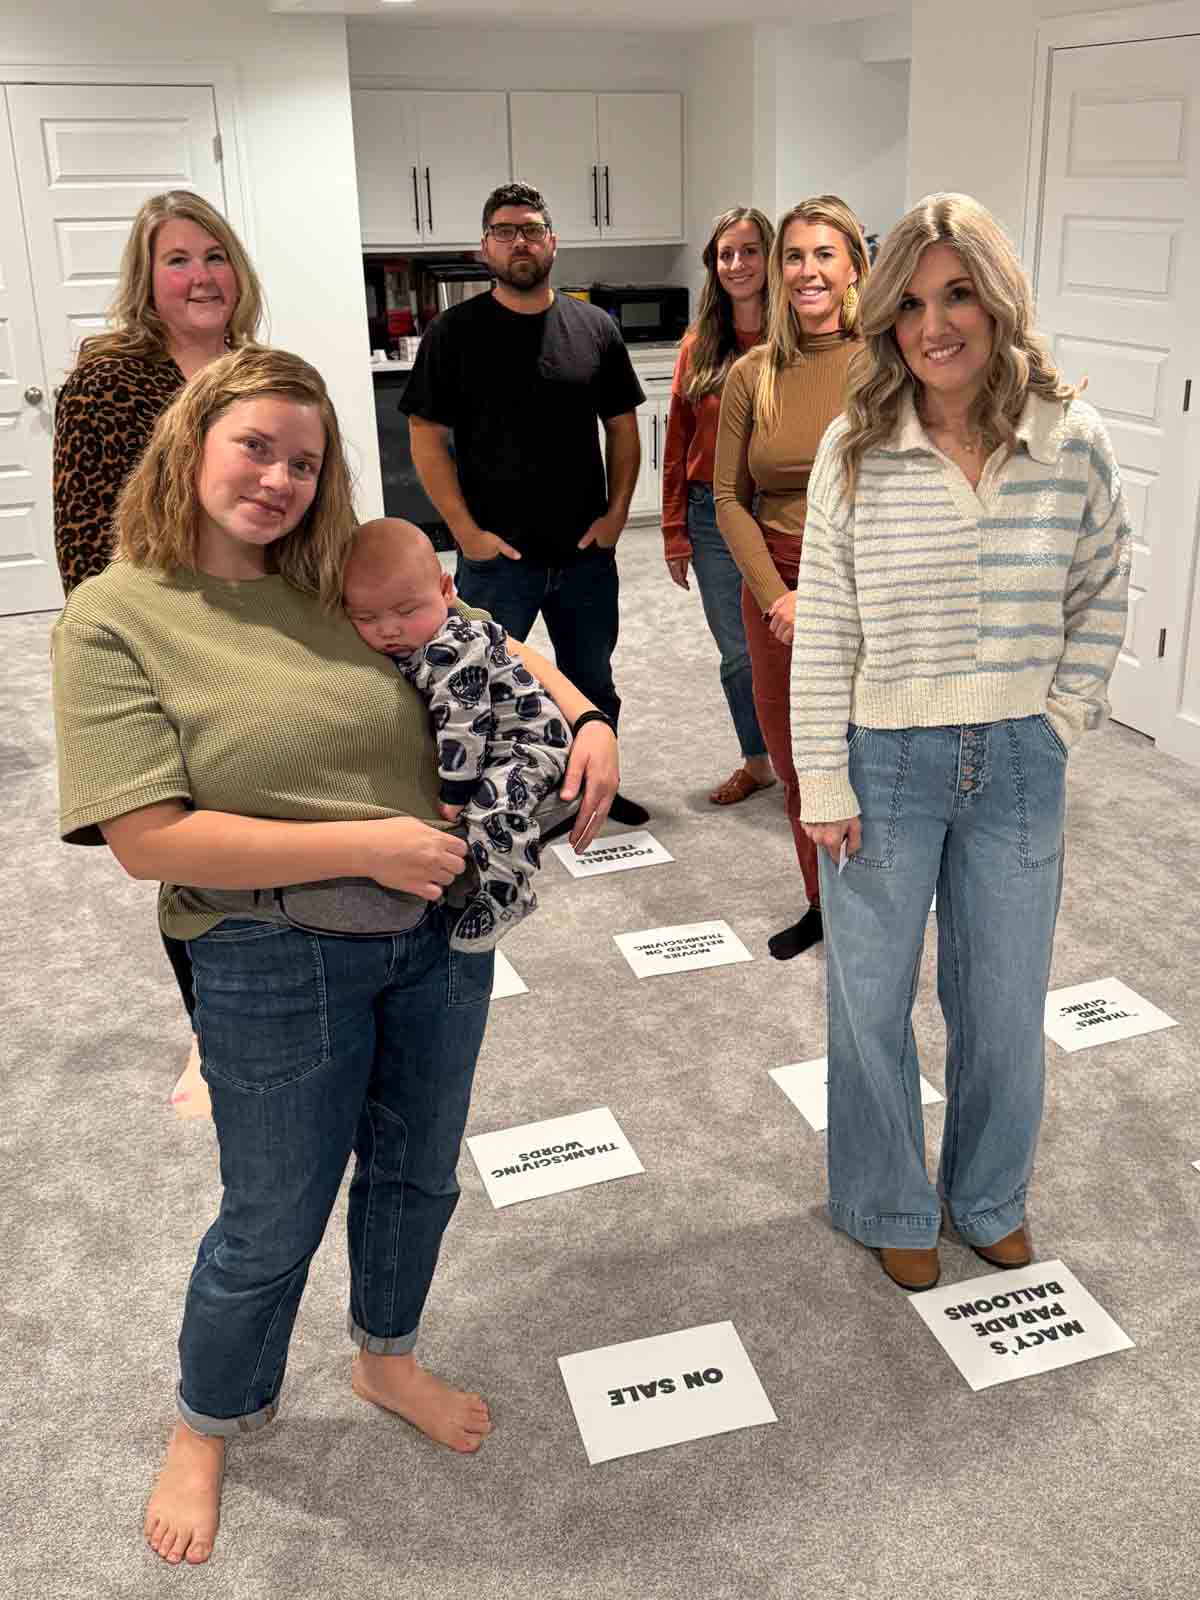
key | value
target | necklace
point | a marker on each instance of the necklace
(969, 446)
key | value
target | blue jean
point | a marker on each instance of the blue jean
(977, 813)
(579, 604)
(720, 585)
(315, 1046)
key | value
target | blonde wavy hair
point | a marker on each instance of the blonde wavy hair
(137, 329)
(786, 340)
(159, 515)
(716, 347)
(1020, 364)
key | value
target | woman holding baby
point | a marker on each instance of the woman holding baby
(224, 730)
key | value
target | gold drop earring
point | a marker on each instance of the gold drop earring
(849, 304)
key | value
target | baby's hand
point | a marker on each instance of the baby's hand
(449, 813)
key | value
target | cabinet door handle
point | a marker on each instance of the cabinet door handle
(596, 196)
(416, 201)
(607, 201)
(654, 455)
(428, 199)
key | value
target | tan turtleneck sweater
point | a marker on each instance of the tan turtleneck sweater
(761, 482)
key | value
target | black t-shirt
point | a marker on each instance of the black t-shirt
(523, 394)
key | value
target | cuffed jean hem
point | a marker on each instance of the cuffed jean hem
(403, 1344)
(223, 1427)
(991, 1226)
(888, 1232)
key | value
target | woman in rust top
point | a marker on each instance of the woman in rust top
(777, 402)
(731, 321)
(186, 294)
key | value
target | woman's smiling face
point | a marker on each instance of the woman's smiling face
(944, 333)
(817, 270)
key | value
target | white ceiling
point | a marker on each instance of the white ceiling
(625, 14)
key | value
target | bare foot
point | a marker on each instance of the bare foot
(185, 1508)
(189, 1097)
(447, 1416)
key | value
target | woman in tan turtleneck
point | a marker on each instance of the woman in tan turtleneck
(777, 402)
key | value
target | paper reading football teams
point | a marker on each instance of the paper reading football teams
(683, 949)
(1098, 1013)
(806, 1084)
(505, 981)
(1012, 1324)
(615, 854)
(648, 1393)
(550, 1157)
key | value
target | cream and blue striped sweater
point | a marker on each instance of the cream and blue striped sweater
(924, 602)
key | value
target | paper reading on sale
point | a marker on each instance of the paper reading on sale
(648, 1393)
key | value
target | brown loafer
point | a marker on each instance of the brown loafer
(1014, 1250)
(739, 787)
(911, 1269)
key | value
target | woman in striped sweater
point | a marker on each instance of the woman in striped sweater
(961, 603)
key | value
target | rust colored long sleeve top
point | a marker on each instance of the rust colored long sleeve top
(690, 447)
(760, 482)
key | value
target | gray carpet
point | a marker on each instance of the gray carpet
(885, 1476)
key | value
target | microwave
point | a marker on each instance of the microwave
(645, 312)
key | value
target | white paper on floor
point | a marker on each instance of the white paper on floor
(505, 981)
(616, 854)
(549, 1157)
(1196, 1164)
(1009, 1325)
(649, 1393)
(1099, 1012)
(806, 1084)
(685, 948)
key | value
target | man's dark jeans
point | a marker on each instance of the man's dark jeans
(578, 602)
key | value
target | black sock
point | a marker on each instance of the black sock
(627, 811)
(800, 936)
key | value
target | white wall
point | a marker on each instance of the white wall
(972, 85)
(840, 121)
(411, 57)
(720, 159)
(298, 165)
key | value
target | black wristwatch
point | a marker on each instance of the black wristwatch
(593, 716)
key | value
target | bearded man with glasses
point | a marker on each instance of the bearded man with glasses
(521, 377)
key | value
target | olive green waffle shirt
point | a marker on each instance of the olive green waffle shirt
(244, 697)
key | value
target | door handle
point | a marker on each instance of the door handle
(654, 455)
(596, 196)
(416, 201)
(607, 201)
(429, 199)
(34, 395)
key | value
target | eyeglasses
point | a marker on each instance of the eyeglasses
(506, 232)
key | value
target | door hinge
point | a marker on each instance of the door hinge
(218, 150)
(1162, 643)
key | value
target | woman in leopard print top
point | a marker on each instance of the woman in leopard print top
(187, 293)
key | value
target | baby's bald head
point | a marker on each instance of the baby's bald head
(394, 589)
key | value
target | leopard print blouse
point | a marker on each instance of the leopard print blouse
(103, 421)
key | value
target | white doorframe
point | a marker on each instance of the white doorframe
(223, 82)
(1161, 21)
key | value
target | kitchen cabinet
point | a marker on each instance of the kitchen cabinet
(610, 165)
(426, 161)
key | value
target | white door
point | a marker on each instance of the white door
(1119, 265)
(641, 158)
(464, 156)
(387, 158)
(647, 497)
(87, 156)
(28, 572)
(554, 149)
